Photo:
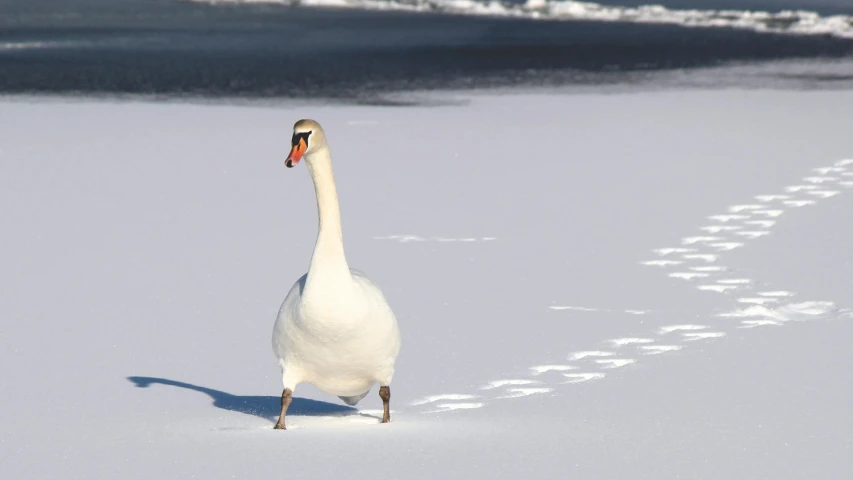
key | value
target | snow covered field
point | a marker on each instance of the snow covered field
(650, 285)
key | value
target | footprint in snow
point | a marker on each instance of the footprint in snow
(743, 223)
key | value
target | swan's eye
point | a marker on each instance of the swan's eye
(300, 136)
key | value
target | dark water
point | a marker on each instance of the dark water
(174, 48)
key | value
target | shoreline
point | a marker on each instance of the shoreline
(780, 76)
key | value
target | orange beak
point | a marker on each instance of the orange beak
(295, 154)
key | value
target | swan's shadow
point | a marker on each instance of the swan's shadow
(266, 407)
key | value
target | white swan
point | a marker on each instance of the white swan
(334, 330)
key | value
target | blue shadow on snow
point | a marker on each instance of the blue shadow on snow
(266, 407)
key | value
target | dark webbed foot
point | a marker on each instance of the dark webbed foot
(385, 395)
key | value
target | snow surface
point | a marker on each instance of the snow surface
(146, 249)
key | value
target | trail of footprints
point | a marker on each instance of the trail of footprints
(694, 260)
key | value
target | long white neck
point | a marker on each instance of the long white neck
(329, 272)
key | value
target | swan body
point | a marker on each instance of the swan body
(334, 329)
(340, 345)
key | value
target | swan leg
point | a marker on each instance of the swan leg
(385, 395)
(286, 397)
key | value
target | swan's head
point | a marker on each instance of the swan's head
(308, 137)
